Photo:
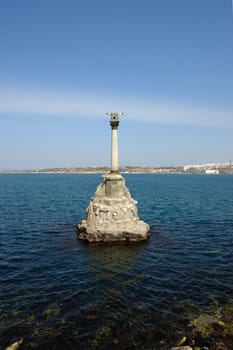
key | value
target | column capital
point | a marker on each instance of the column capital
(114, 123)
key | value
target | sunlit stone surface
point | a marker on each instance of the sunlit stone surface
(112, 213)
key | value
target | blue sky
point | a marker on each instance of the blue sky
(168, 64)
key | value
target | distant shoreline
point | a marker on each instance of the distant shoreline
(212, 168)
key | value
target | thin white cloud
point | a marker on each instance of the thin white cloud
(31, 102)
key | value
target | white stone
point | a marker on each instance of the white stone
(112, 214)
(114, 159)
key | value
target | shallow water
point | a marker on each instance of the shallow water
(59, 293)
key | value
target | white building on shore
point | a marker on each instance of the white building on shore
(209, 168)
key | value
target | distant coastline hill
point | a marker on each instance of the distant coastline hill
(209, 168)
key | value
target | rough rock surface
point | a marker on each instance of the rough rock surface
(112, 214)
(182, 348)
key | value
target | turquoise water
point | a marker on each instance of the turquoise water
(59, 293)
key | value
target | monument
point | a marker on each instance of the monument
(112, 214)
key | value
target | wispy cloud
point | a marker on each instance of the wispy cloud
(31, 102)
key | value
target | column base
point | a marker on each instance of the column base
(112, 214)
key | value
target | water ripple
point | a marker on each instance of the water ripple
(57, 290)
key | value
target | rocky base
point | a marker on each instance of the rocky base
(112, 214)
(127, 233)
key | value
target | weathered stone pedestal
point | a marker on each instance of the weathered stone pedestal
(112, 214)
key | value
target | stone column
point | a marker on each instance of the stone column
(114, 159)
(114, 122)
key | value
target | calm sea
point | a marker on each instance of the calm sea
(59, 293)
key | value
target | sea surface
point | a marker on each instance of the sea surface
(59, 293)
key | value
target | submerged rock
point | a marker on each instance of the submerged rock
(15, 345)
(214, 326)
(181, 341)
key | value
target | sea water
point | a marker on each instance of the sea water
(59, 293)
